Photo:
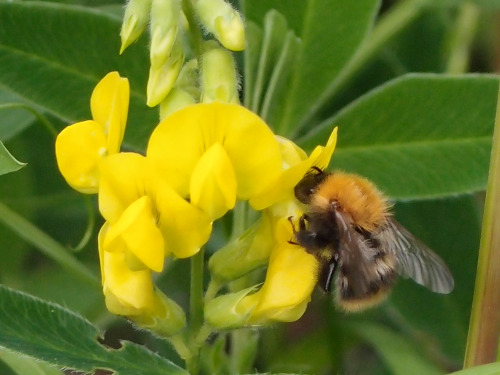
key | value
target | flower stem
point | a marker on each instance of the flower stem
(484, 327)
(46, 244)
(195, 308)
(462, 37)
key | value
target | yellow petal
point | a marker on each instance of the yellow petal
(109, 106)
(79, 149)
(127, 292)
(136, 230)
(283, 187)
(213, 184)
(181, 139)
(185, 228)
(124, 180)
(290, 280)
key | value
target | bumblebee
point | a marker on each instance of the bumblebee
(348, 227)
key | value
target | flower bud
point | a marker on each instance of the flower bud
(162, 78)
(218, 76)
(166, 318)
(244, 254)
(224, 22)
(165, 15)
(176, 99)
(135, 20)
(226, 312)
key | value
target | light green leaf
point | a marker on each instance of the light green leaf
(7, 162)
(23, 365)
(398, 353)
(489, 369)
(53, 334)
(53, 55)
(419, 136)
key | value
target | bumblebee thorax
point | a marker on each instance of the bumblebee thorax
(354, 195)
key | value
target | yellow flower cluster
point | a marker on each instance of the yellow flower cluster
(199, 161)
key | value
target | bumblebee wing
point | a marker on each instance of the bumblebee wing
(414, 259)
(365, 274)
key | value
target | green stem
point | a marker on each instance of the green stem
(196, 308)
(46, 244)
(41, 118)
(461, 38)
(482, 341)
(87, 235)
(395, 20)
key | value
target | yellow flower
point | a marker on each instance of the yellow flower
(130, 292)
(146, 214)
(292, 272)
(290, 280)
(80, 147)
(215, 153)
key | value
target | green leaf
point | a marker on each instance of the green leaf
(399, 354)
(23, 365)
(53, 334)
(489, 369)
(451, 227)
(53, 55)
(7, 162)
(332, 32)
(12, 121)
(419, 136)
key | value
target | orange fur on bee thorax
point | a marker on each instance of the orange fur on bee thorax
(356, 196)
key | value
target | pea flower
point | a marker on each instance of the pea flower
(146, 221)
(292, 272)
(214, 154)
(82, 146)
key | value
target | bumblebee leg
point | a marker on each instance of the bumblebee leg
(294, 230)
(302, 222)
(327, 273)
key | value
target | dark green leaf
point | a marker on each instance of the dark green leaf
(12, 120)
(53, 55)
(53, 334)
(332, 32)
(7, 162)
(451, 227)
(419, 136)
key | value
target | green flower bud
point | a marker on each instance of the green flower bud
(218, 76)
(165, 15)
(177, 99)
(135, 20)
(244, 254)
(162, 78)
(185, 92)
(224, 22)
(226, 312)
(166, 318)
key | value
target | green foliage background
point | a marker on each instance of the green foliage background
(377, 70)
